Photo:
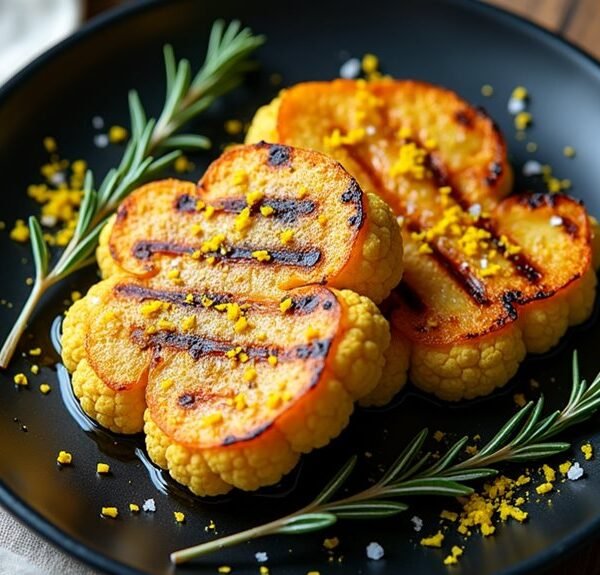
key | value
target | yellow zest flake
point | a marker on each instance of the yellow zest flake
(64, 458)
(213, 418)
(45, 388)
(449, 515)
(134, 508)
(213, 244)
(564, 467)
(36, 351)
(520, 93)
(370, 63)
(272, 360)
(209, 212)
(182, 165)
(490, 270)
(254, 197)
(302, 192)
(262, 336)
(263, 570)
(75, 296)
(522, 480)
(189, 298)
(405, 132)
(286, 304)
(506, 510)
(200, 205)
(29, 281)
(240, 178)
(167, 384)
(243, 220)
(233, 352)
(549, 473)
(523, 120)
(224, 569)
(569, 151)
(102, 468)
(240, 401)
(50, 145)
(150, 330)
(274, 400)
(233, 127)
(174, 276)
(196, 229)
(250, 374)
(35, 369)
(243, 357)
(165, 325)
(587, 450)
(233, 311)
(266, 211)
(322, 219)
(286, 236)
(519, 399)
(487, 90)
(433, 541)
(410, 161)
(21, 379)
(152, 307)
(425, 249)
(179, 516)
(430, 144)
(188, 323)
(439, 435)
(312, 332)
(445, 192)
(111, 512)
(117, 134)
(336, 139)
(544, 488)
(20, 233)
(455, 553)
(509, 248)
(471, 449)
(261, 255)
(240, 325)
(206, 301)
(331, 543)
(196, 255)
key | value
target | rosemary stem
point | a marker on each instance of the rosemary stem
(270, 528)
(10, 345)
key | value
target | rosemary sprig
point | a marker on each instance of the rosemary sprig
(524, 437)
(153, 146)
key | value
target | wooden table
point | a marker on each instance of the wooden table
(579, 22)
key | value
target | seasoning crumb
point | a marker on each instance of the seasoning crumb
(117, 134)
(569, 151)
(439, 435)
(233, 127)
(564, 467)
(433, 541)
(45, 388)
(575, 472)
(134, 508)
(149, 505)
(587, 450)
(179, 516)
(20, 379)
(35, 369)
(111, 512)
(544, 488)
(263, 570)
(20, 232)
(375, 551)
(417, 523)
(64, 458)
(261, 556)
(519, 399)
(101, 140)
(331, 543)
(102, 468)
(487, 90)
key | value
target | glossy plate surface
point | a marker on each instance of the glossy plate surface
(458, 44)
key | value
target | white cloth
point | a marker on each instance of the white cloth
(22, 552)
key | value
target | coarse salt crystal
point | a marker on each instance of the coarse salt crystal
(48, 220)
(556, 221)
(98, 122)
(575, 472)
(261, 556)
(149, 505)
(101, 140)
(532, 168)
(516, 106)
(483, 263)
(57, 179)
(475, 210)
(417, 523)
(375, 551)
(350, 69)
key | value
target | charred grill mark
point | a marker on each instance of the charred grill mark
(410, 297)
(298, 258)
(186, 400)
(198, 346)
(285, 210)
(279, 156)
(142, 293)
(122, 213)
(509, 301)
(462, 275)
(354, 196)
(537, 200)
(496, 171)
(441, 177)
(464, 117)
(259, 430)
(570, 226)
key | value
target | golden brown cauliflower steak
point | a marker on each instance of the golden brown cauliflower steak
(485, 279)
(202, 333)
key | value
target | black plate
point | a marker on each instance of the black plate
(459, 44)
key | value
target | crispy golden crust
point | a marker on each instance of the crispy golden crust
(477, 280)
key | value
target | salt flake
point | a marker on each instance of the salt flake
(532, 168)
(350, 69)
(375, 551)
(575, 472)
(417, 522)
(261, 556)
(149, 505)
(556, 221)
(515, 106)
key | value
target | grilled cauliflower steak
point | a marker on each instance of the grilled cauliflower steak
(210, 332)
(486, 279)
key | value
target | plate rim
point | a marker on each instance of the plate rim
(33, 519)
